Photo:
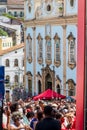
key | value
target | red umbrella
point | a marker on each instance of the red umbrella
(49, 94)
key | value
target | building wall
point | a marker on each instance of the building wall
(6, 42)
(36, 21)
(12, 70)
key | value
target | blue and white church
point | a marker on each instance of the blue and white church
(51, 46)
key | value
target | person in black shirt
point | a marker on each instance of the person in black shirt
(48, 123)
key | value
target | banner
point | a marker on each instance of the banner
(2, 90)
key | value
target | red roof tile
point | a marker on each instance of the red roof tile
(15, 2)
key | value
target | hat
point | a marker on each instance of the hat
(16, 115)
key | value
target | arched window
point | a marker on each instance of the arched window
(72, 3)
(58, 89)
(16, 79)
(57, 47)
(7, 63)
(49, 8)
(48, 82)
(72, 51)
(30, 87)
(16, 62)
(40, 47)
(15, 14)
(57, 50)
(48, 49)
(39, 87)
(29, 9)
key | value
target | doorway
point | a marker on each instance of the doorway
(48, 82)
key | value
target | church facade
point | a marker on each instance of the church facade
(51, 46)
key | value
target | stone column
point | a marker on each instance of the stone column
(34, 58)
(25, 59)
(64, 4)
(64, 59)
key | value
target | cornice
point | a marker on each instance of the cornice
(54, 21)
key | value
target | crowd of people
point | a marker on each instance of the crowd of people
(39, 115)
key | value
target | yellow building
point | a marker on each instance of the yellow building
(5, 43)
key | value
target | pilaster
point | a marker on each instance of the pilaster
(64, 59)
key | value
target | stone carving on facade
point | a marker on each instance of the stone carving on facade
(50, 8)
(29, 74)
(40, 59)
(45, 71)
(71, 87)
(39, 12)
(29, 40)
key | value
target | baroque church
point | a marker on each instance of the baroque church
(51, 46)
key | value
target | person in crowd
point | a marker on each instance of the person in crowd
(5, 117)
(33, 120)
(48, 123)
(17, 123)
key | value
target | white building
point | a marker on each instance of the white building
(13, 60)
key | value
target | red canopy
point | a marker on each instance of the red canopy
(49, 94)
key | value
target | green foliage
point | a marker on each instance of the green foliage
(3, 33)
(9, 16)
(12, 17)
(61, 8)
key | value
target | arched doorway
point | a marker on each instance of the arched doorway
(58, 88)
(39, 87)
(48, 82)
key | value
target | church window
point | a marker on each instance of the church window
(72, 3)
(40, 49)
(16, 79)
(48, 47)
(71, 51)
(57, 50)
(29, 9)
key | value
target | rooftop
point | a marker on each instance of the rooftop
(16, 47)
(15, 2)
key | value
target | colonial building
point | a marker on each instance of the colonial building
(16, 7)
(51, 45)
(5, 42)
(13, 60)
(3, 6)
